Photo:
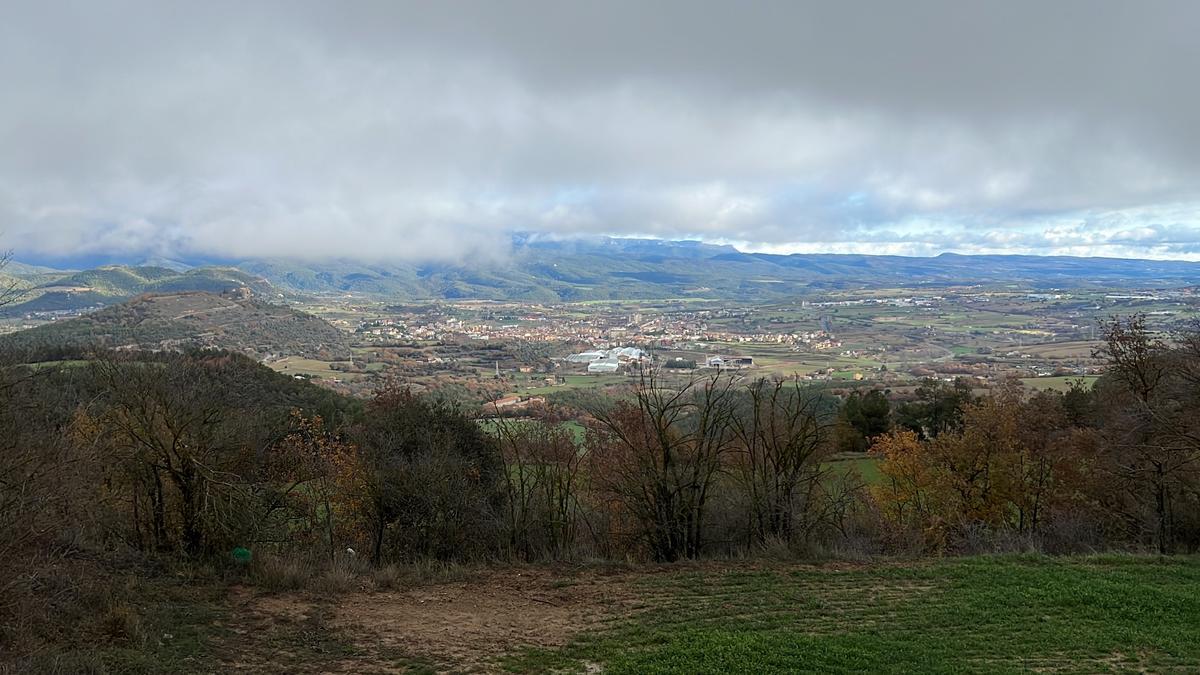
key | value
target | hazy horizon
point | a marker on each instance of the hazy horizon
(492, 258)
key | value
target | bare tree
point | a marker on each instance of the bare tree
(10, 287)
(543, 472)
(1136, 357)
(659, 456)
(782, 440)
(1151, 425)
(188, 452)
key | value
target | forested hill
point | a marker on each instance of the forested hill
(47, 290)
(232, 320)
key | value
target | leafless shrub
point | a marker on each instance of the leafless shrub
(542, 478)
(660, 455)
(282, 573)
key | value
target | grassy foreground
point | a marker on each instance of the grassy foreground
(1007, 614)
(984, 614)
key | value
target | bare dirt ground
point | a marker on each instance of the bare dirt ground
(466, 625)
(460, 625)
(469, 622)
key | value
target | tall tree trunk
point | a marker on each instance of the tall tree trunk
(158, 511)
(1160, 507)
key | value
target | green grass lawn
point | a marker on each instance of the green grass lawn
(1002, 614)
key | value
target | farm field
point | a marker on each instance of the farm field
(574, 381)
(296, 365)
(1080, 349)
(1001, 614)
(780, 359)
(1058, 383)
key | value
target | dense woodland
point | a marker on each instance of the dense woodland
(152, 459)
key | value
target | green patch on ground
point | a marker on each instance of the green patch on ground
(492, 426)
(66, 363)
(1059, 383)
(574, 381)
(997, 614)
(297, 365)
(866, 467)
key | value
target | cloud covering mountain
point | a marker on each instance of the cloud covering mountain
(391, 130)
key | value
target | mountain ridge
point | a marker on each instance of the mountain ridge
(593, 268)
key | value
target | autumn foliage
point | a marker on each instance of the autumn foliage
(1011, 466)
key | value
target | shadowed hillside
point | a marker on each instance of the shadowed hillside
(232, 320)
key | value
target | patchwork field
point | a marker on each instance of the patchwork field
(1063, 350)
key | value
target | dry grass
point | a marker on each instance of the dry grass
(273, 573)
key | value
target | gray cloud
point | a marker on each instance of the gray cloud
(429, 130)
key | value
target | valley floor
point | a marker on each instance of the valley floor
(983, 614)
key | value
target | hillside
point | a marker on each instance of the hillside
(48, 291)
(192, 319)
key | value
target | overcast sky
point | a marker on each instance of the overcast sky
(431, 130)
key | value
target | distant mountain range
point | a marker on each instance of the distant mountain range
(549, 270)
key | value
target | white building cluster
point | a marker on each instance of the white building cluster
(608, 360)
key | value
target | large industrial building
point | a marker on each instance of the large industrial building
(604, 366)
(608, 360)
(729, 361)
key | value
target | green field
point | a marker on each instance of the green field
(782, 359)
(298, 365)
(574, 381)
(1058, 383)
(1004, 615)
(867, 467)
